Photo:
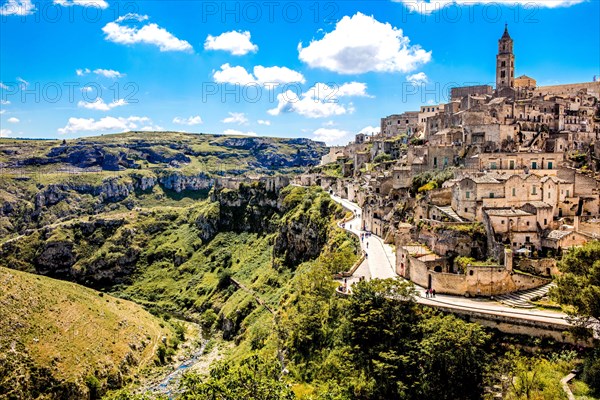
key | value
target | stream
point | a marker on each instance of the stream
(170, 384)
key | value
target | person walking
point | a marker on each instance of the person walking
(433, 293)
(427, 293)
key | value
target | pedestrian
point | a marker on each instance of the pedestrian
(427, 293)
(366, 255)
(367, 245)
(433, 293)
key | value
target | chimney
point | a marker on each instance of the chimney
(508, 259)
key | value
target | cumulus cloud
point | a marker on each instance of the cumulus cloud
(13, 120)
(370, 130)
(84, 3)
(108, 73)
(431, 6)
(260, 76)
(5, 102)
(100, 105)
(361, 44)
(113, 124)
(264, 122)
(330, 135)
(234, 42)
(235, 132)
(194, 120)
(5, 132)
(148, 34)
(320, 101)
(418, 78)
(236, 118)
(17, 7)
(132, 17)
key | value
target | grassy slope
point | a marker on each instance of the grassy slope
(70, 329)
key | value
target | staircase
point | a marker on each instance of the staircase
(522, 299)
(451, 213)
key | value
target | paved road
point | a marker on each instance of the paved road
(381, 261)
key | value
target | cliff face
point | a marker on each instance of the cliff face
(107, 251)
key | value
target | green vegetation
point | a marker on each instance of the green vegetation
(429, 180)
(59, 338)
(578, 288)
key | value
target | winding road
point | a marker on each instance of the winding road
(381, 261)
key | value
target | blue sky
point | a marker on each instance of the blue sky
(323, 70)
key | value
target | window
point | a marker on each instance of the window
(549, 164)
(503, 74)
(549, 194)
(502, 222)
(503, 64)
(534, 165)
(468, 195)
(514, 192)
(568, 193)
(493, 165)
(491, 195)
(512, 164)
(533, 190)
(527, 239)
(545, 221)
(466, 209)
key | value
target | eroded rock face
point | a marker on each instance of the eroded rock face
(56, 259)
(299, 240)
(178, 182)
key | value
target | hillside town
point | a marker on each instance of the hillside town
(482, 194)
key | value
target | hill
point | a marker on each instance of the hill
(61, 340)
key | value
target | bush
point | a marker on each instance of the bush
(591, 372)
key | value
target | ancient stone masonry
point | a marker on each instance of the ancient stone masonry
(496, 180)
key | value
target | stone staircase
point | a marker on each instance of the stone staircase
(451, 213)
(522, 299)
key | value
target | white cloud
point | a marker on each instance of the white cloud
(431, 6)
(81, 72)
(196, 120)
(5, 102)
(119, 124)
(236, 43)
(361, 44)
(266, 75)
(418, 78)
(330, 136)
(87, 89)
(264, 122)
(370, 130)
(152, 128)
(13, 120)
(149, 34)
(261, 75)
(3, 86)
(23, 83)
(100, 105)
(84, 3)
(320, 101)
(17, 7)
(132, 17)
(234, 75)
(329, 123)
(236, 118)
(5, 132)
(2, 112)
(108, 73)
(235, 132)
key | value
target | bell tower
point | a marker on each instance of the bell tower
(505, 62)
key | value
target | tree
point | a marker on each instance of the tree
(579, 286)
(383, 318)
(452, 358)
(254, 378)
